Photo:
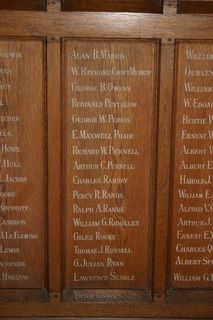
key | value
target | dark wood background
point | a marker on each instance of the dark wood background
(31, 5)
(108, 20)
(150, 6)
(185, 6)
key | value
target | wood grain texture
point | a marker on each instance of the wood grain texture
(54, 169)
(164, 156)
(149, 6)
(144, 310)
(106, 296)
(115, 107)
(195, 6)
(191, 205)
(29, 5)
(170, 7)
(113, 25)
(23, 180)
(174, 304)
(71, 318)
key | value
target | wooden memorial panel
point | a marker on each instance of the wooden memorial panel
(29, 5)
(151, 6)
(110, 119)
(22, 165)
(191, 213)
(195, 6)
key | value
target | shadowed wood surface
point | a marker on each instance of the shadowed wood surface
(195, 6)
(69, 318)
(31, 5)
(151, 6)
(23, 181)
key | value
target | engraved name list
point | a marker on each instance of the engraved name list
(109, 145)
(192, 203)
(22, 175)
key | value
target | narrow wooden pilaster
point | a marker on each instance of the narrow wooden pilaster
(163, 183)
(54, 167)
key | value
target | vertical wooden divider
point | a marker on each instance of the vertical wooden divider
(164, 154)
(54, 170)
(54, 158)
(164, 157)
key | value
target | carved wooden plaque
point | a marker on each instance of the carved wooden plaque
(110, 110)
(22, 164)
(192, 198)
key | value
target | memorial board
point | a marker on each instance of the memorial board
(106, 159)
(109, 146)
(192, 192)
(22, 164)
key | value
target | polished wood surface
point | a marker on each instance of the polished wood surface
(104, 189)
(136, 25)
(150, 6)
(23, 179)
(191, 230)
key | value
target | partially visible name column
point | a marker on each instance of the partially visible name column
(22, 164)
(192, 201)
(110, 123)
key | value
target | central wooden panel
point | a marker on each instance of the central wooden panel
(110, 114)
